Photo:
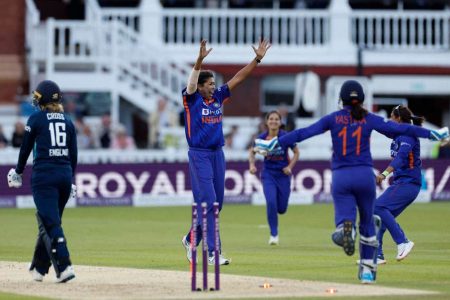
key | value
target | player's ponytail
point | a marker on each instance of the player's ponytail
(417, 120)
(352, 94)
(358, 112)
(406, 115)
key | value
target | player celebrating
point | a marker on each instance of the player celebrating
(406, 163)
(53, 137)
(203, 103)
(276, 175)
(353, 181)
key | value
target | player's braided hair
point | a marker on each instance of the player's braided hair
(406, 115)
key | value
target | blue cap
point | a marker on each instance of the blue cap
(351, 93)
(46, 92)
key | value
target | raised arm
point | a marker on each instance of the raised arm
(193, 77)
(390, 128)
(301, 134)
(240, 76)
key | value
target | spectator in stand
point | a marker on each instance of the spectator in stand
(85, 138)
(105, 132)
(71, 109)
(161, 118)
(3, 139)
(230, 142)
(19, 132)
(122, 140)
(261, 128)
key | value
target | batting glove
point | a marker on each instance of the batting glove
(440, 134)
(262, 146)
(14, 179)
(73, 193)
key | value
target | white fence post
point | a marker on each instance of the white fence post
(115, 72)
(49, 65)
(340, 27)
(151, 21)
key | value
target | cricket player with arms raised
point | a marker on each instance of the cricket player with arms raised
(203, 104)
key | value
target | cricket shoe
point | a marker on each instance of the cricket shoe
(404, 249)
(349, 238)
(66, 275)
(36, 275)
(222, 260)
(367, 271)
(367, 277)
(273, 240)
(187, 246)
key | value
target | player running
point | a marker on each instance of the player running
(405, 164)
(353, 180)
(276, 174)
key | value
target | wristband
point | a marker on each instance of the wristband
(385, 173)
(257, 60)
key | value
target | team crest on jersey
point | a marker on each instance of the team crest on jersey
(216, 105)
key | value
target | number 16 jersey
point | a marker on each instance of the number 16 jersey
(52, 136)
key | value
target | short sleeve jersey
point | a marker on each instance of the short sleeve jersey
(203, 118)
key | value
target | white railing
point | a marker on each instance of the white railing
(330, 36)
(148, 67)
(111, 47)
(150, 48)
(401, 30)
(128, 16)
(370, 29)
(236, 27)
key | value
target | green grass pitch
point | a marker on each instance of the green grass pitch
(151, 238)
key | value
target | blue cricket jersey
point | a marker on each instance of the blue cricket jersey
(53, 137)
(203, 118)
(278, 159)
(351, 138)
(405, 153)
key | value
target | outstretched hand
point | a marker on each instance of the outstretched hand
(203, 51)
(263, 46)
